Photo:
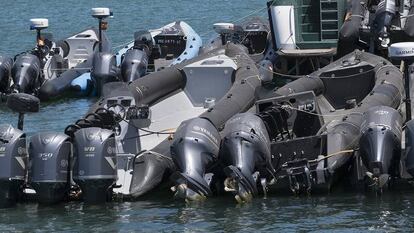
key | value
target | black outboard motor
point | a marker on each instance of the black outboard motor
(95, 163)
(6, 64)
(50, 161)
(135, 61)
(13, 153)
(194, 149)
(26, 74)
(383, 16)
(134, 65)
(409, 148)
(245, 151)
(104, 70)
(13, 164)
(380, 143)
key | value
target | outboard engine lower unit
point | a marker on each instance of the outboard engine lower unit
(380, 143)
(13, 160)
(95, 163)
(409, 140)
(245, 151)
(50, 161)
(194, 149)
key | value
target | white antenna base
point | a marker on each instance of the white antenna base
(401, 51)
(101, 12)
(223, 28)
(39, 24)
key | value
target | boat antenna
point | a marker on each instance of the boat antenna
(39, 24)
(404, 51)
(101, 14)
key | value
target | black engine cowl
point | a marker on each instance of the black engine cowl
(104, 70)
(49, 172)
(6, 64)
(134, 65)
(26, 73)
(245, 150)
(95, 163)
(13, 164)
(194, 149)
(380, 142)
(409, 140)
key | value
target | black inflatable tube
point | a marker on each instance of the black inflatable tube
(387, 91)
(241, 95)
(154, 86)
(58, 86)
(314, 84)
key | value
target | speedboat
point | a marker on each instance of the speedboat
(48, 70)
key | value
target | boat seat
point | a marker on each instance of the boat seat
(81, 47)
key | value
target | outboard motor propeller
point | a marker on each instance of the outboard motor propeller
(49, 173)
(380, 144)
(13, 153)
(245, 151)
(26, 74)
(95, 163)
(6, 64)
(194, 149)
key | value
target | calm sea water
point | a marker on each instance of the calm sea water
(342, 213)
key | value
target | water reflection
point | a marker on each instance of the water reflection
(288, 214)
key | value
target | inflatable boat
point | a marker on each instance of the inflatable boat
(151, 51)
(48, 70)
(122, 146)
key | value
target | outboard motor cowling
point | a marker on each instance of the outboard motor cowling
(26, 73)
(13, 161)
(134, 65)
(194, 149)
(95, 163)
(409, 140)
(380, 143)
(104, 70)
(245, 151)
(50, 161)
(6, 64)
